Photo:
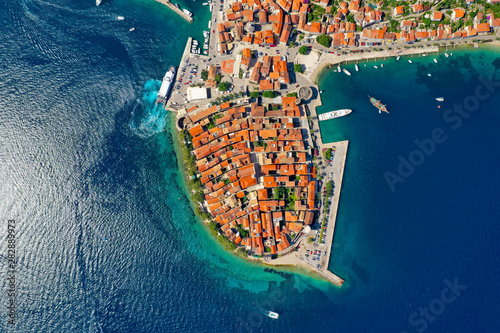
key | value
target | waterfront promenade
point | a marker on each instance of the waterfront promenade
(176, 10)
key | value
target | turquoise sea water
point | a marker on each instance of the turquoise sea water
(106, 238)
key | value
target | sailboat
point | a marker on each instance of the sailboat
(378, 104)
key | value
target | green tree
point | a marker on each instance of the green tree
(303, 49)
(204, 75)
(223, 86)
(328, 153)
(298, 68)
(269, 94)
(324, 40)
(255, 94)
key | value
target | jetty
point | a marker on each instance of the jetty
(339, 165)
(184, 60)
(176, 9)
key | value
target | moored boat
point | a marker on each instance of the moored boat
(187, 12)
(339, 69)
(334, 114)
(447, 55)
(397, 59)
(347, 72)
(166, 85)
(435, 60)
(378, 104)
(411, 62)
(357, 67)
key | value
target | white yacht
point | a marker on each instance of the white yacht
(334, 114)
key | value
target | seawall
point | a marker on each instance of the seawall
(177, 10)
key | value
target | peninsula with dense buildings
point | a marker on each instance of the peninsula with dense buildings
(262, 179)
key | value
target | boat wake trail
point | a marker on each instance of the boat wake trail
(148, 118)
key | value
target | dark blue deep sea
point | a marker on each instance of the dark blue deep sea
(106, 240)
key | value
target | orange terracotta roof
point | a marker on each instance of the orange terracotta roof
(227, 66)
(483, 27)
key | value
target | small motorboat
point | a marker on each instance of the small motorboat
(411, 62)
(440, 99)
(429, 74)
(397, 59)
(273, 315)
(435, 60)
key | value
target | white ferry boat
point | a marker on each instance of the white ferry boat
(334, 114)
(166, 85)
(346, 71)
(273, 315)
(187, 12)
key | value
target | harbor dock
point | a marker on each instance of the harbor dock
(339, 166)
(176, 9)
(184, 59)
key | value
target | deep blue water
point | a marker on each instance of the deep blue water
(106, 240)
